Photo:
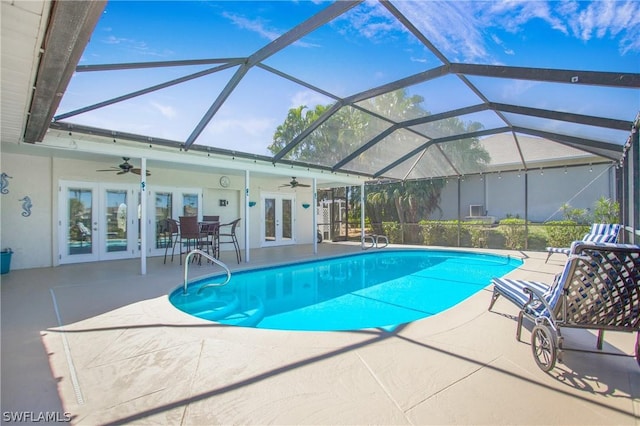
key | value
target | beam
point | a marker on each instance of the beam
(68, 32)
(329, 13)
(595, 78)
(590, 120)
(157, 64)
(141, 92)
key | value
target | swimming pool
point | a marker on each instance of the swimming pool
(380, 289)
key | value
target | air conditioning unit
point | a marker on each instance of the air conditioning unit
(476, 210)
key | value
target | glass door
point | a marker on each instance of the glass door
(169, 203)
(96, 222)
(278, 219)
(163, 210)
(119, 210)
(78, 222)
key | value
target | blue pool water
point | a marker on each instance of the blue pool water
(372, 289)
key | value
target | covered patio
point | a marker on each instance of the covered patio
(76, 339)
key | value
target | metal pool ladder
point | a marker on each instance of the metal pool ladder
(211, 258)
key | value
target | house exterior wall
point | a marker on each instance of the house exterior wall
(503, 195)
(28, 236)
(34, 238)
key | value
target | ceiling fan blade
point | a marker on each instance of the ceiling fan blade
(303, 185)
(139, 171)
(122, 172)
(286, 185)
(113, 169)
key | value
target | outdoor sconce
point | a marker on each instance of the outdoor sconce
(305, 205)
(252, 203)
(223, 203)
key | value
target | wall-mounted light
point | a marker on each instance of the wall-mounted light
(252, 203)
(305, 205)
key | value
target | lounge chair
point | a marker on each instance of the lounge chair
(599, 289)
(599, 233)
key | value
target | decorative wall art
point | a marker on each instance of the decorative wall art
(4, 183)
(26, 206)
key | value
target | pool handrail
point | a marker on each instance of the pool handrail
(211, 258)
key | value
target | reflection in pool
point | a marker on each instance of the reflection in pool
(373, 289)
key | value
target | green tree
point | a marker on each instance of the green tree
(606, 211)
(349, 128)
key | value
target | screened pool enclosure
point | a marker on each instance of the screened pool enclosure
(496, 104)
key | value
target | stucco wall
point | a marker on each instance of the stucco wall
(30, 237)
(549, 189)
(34, 239)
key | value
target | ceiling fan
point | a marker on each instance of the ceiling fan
(295, 184)
(125, 167)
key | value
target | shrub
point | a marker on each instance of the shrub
(393, 231)
(561, 233)
(606, 211)
(514, 233)
(575, 215)
(477, 231)
(439, 232)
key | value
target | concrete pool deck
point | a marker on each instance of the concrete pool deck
(101, 342)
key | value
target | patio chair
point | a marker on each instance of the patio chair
(599, 289)
(171, 230)
(191, 235)
(599, 233)
(229, 237)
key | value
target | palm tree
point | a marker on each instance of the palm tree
(350, 127)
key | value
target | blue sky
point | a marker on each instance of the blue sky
(363, 48)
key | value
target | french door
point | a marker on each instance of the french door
(278, 219)
(170, 203)
(97, 221)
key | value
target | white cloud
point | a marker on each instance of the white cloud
(254, 25)
(463, 30)
(308, 98)
(449, 26)
(251, 135)
(247, 126)
(602, 19)
(167, 111)
(260, 27)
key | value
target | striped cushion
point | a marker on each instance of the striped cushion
(610, 229)
(599, 233)
(514, 290)
(559, 250)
